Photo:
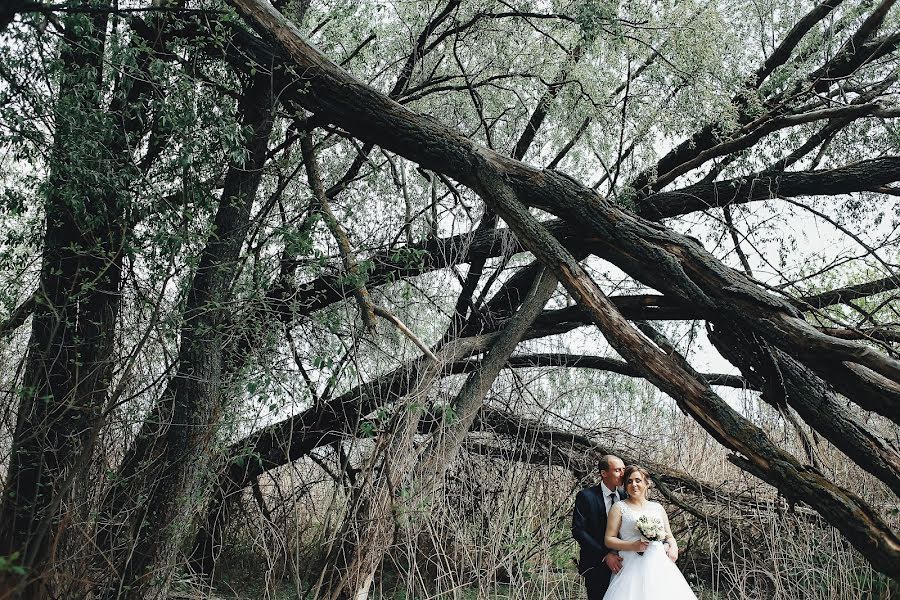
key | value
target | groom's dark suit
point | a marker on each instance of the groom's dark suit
(589, 530)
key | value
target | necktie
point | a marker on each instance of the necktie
(612, 499)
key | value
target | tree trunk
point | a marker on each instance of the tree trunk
(162, 479)
(786, 382)
(368, 528)
(69, 363)
(654, 255)
(67, 370)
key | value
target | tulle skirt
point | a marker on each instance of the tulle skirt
(651, 576)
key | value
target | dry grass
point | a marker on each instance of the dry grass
(501, 531)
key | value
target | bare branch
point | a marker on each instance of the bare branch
(366, 310)
(861, 176)
(17, 317)
(385, 314)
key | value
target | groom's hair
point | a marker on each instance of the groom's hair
(603, 463)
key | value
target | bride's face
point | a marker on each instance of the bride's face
(636, 485)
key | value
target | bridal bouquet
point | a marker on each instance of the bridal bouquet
(651, 529)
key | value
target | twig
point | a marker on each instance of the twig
(385, 314)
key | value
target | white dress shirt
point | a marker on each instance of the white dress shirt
(606, 499)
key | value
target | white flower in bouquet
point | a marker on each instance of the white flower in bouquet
(651, 529)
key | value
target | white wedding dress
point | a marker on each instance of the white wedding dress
(648, 576)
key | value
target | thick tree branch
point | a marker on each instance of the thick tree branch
(841, 65)
(784, 381)
(793, 37)
(756, 130)
(445, 444)
(849, 293)
(17, 317)
(862, 176)
(881, 334)
(601, 363)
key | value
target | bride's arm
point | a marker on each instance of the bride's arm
(612, 541)
(671, 544)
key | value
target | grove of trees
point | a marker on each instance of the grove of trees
(400, 245)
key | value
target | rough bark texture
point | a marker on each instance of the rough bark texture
(691, 273)
(165, 471)
(786, 382)
(866, 174)
(68, 367)
(69, 363)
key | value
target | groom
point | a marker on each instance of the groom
(597, 563)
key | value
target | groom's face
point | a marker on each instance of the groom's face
(612, 477)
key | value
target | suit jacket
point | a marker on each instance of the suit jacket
(589, 529)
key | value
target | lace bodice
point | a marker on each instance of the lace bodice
(628, 530)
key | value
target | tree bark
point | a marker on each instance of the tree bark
(164, 474)
(88, 220)
(18, 317)
(367, 531)
(786, 382)
(351, 266)
(67, 369)
(692, 274)
(861, 176)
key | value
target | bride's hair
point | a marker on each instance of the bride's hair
(631, 469)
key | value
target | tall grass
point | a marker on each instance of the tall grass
(501, 530)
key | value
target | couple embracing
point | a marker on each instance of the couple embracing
(628, 551)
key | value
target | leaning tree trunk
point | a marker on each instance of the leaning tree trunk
(369, 526)
(785, 382)
(289, 440)
(445, 443)
(162, 478)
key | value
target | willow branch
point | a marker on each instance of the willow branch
(18, 316)
(351, 266)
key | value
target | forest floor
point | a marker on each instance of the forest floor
(249, 587)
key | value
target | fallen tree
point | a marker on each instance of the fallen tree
(680, 267)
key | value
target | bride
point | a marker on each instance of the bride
(648, 568)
